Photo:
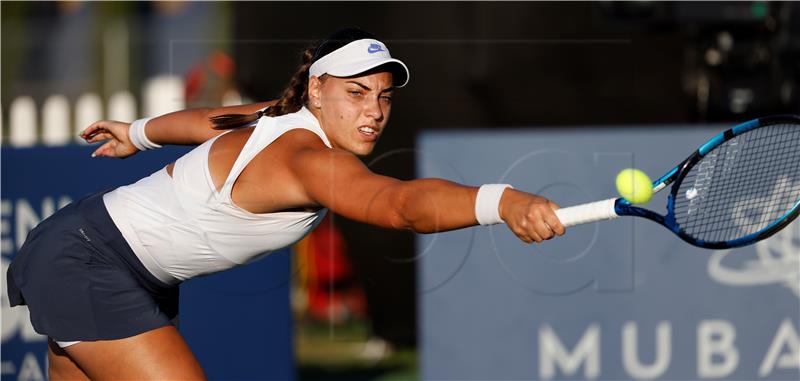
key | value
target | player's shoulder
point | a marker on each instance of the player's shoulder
(299, 137)
(308, 152)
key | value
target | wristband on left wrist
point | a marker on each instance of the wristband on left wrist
(138, 137)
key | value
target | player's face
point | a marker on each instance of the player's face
(353, 111)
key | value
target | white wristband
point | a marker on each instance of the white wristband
(137, 136)
(487, 204)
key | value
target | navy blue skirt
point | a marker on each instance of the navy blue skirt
(82, 282)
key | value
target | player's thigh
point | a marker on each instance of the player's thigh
(60, 366)
(160, 354)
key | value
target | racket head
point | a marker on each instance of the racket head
(741, 186)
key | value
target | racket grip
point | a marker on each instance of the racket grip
(586, 213)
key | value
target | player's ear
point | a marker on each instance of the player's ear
(314, 91)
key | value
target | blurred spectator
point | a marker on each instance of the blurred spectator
(326, 290)
(208, 81)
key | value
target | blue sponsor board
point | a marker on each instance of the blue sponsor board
(238, 323)
(622, 299)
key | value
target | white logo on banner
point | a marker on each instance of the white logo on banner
(752, 214)
(778, 261)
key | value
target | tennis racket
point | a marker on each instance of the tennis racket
(740, 187)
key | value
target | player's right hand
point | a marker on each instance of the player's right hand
(532, 218)
(114, 134)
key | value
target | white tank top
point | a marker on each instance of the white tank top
(180, 227)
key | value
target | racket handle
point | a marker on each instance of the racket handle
(586, 213)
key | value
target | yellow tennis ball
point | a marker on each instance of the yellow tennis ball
(634, 186)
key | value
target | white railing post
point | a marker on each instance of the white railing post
(122, 107)
(88, 109)
(163, 94)
(22, 122)
(55, 120)
(231, 98)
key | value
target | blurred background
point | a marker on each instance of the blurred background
(537, 66)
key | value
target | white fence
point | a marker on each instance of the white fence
(61, 121)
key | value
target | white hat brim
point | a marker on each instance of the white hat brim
(400, 74)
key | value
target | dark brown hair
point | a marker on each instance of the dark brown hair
(295, 95)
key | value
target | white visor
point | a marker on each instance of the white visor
(358, 57)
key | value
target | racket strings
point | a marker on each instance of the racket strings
(742, 186)
(743, 206)
(749, 214)
(752, 214)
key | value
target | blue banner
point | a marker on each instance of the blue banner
(237, 323)
(614, 300)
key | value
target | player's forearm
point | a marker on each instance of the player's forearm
(436, 205)
(185, 127)
(192, 126)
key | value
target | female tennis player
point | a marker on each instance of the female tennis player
(100, 276)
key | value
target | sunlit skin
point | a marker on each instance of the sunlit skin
(342, 105)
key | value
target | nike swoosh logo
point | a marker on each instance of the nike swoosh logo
(374, 48)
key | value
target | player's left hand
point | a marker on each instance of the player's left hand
(114, 134)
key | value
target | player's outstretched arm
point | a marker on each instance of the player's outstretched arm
(341, 182)
(185, 127)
